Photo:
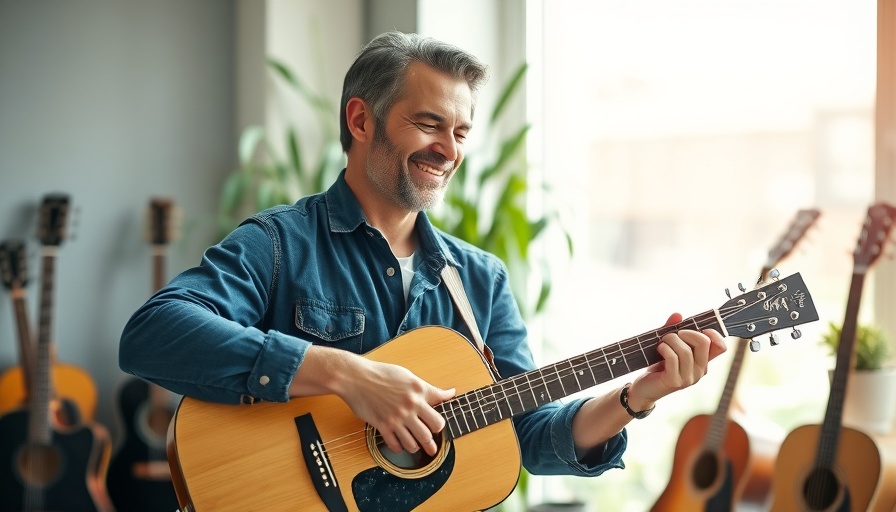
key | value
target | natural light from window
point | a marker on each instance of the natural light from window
(679, 139)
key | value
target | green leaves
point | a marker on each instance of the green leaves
(486, 203)
(871, 346)
(266, 178)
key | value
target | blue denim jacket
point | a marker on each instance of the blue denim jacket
(236, 327)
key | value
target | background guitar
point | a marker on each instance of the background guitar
(712, 455)
(832, 467)
(313, 454)
(14, 274)
(139, 479)
(72, 384)
(45, 465)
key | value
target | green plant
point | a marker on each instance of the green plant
(264, 177)
(486, 203)
(872, 348)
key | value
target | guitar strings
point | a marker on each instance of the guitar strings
(622, 349)
(573, 368)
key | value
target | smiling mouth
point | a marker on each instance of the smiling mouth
(430, 170)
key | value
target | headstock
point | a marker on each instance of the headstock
(162, 222)
(778, 305)
(12, 264)
(795, 232)
(53, 217)
(875, 232)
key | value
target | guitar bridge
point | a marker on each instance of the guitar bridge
(318, 463)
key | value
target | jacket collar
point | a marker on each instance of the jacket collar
(345, 215)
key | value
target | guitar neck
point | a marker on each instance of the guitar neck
(159, 253)
(39, 431)
(715, 433)
(527, 391)
(26, 342)
(830, 432)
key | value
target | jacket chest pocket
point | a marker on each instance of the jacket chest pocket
(327, 324)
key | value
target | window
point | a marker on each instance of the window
(679, 139)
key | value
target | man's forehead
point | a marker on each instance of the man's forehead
(432, 93)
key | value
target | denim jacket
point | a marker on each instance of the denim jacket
(236, 327)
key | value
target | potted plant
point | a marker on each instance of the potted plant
(870, 400)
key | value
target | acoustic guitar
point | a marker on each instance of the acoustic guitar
(72, 385)
(831, 467)
(312, 454)
(139, 479)
(43, 465)
(710, 468)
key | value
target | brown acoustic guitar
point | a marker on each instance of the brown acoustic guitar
(312, 454)
(712, 460)
(45, 466)
(71, 384)
(831, 467)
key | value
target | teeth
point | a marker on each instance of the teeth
(429, 170)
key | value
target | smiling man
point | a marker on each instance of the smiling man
(287, 304)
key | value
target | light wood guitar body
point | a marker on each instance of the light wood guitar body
(214, 448)
(857, 469)
(704, 479)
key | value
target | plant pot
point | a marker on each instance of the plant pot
(869, 404)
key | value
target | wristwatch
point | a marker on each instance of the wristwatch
(623, 399)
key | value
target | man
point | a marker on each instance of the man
(284, 306)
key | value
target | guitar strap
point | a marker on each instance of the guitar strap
(456, 289)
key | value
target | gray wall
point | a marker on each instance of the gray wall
(112, 102)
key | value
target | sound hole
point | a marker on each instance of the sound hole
(820, 489)
(705, 470)
(39, 465)
(404, 464)
(405, 460)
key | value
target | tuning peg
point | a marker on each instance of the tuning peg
(773, 339)
(796, 334)
(740, 286)
(754, 346)
(728, 293)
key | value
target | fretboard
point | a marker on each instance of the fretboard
(527, 391)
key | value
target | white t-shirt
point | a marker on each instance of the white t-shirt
(407, 273)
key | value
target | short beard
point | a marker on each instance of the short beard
(399, 188)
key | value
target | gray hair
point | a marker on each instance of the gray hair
(377, 75)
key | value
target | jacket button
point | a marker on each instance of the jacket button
(264, 380)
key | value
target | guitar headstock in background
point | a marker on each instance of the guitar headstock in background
(785, 245)
(162, 221)
(873, 238)
(52, 226)
(13, 266)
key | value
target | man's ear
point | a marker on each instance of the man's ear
(359, 118)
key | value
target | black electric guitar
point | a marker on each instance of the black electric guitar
(44, 465)
(831, 467)
(712, 455)
(312, 454)
(139, 479)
